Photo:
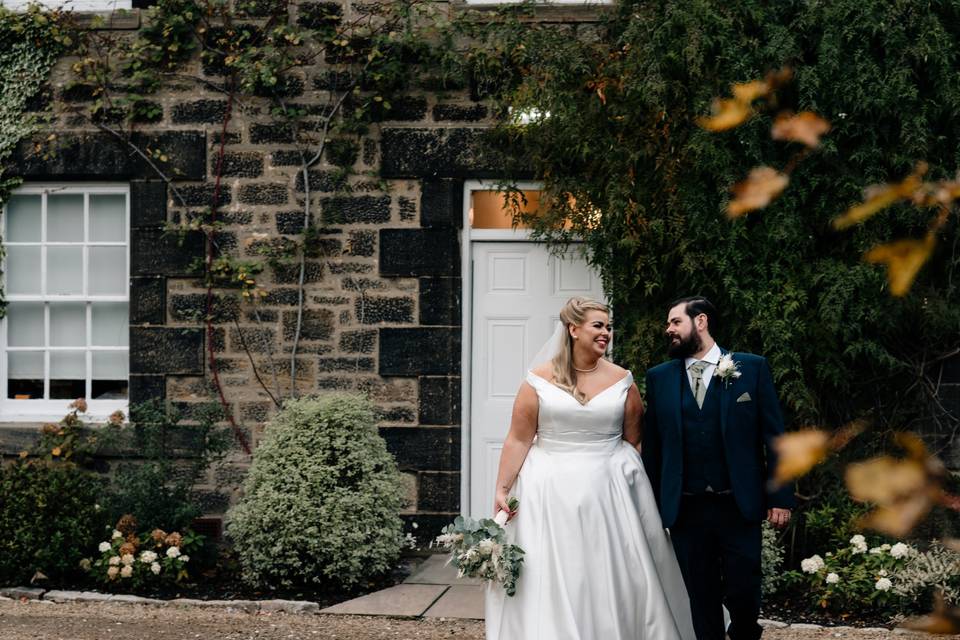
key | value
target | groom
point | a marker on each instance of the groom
(707, 448)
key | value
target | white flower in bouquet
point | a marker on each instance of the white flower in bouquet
(126, 572)
(812, 564)
(859, 544)
(883, 584)
(114, 561)
(116, 534)
(155, 567)
(112, 572)
(487, 545)
(148, 557)
(173, 552)
(127, 559)
(832, 578)
(900, 550)
(104, 547)
(184, 558)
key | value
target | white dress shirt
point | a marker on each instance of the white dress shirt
(712, 358)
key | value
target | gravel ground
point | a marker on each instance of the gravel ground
(31, 620)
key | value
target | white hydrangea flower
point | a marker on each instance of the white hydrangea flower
(127, 559)
(148, 557)
(104, 547)
(812, 564)
(173, 552)
(900, 550)
(155, 567)
(885, 546)
(883, 572)
(116, 534)
(114, 561)
(126, 572)
(486, 546)
(859, 544)
(832, 578)
(883, 584)
(184, 558)
(112, 572)
(85, 564)
(876, 550)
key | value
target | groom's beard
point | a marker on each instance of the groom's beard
(687, 346)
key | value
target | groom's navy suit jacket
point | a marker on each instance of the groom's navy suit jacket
(748, 428)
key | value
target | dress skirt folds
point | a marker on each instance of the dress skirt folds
(598, 563)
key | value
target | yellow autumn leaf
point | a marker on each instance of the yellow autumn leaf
(903, 259)
(805, 127)
(56, 451)
(747, 92)
(879, 197)
(798, 452)
(884, 479)
(726, 114)
(942, 620)
(24, 454)
(897, 519)
(761, 187)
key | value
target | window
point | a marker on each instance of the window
(65, 335)
(70, 5)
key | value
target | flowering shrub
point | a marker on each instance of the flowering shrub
(856, 576)
(771, 560)
(936, 570)
(321, 501)
(134, 561)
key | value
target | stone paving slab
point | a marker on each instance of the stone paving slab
(460, 601)
(21, 592)
(435, 570)
(76, 596)
(289, 606)
(409, 600)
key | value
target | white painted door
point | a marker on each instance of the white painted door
(518, 290)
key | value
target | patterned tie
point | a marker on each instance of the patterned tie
(699, 389)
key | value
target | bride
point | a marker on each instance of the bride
(598, 563)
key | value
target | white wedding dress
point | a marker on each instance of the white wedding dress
(598, 563)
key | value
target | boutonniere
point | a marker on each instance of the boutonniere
(727, 369)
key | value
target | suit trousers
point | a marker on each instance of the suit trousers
(719, 555)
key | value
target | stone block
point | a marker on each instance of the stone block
(380, 309)
(436, 153)
(289, 606)
(144, 388)
(439, 401)
(25, 593)
(319, 15)
(464, 602)
(407, 600)
(406, 109)
(440, 301)
(424, 448)
(321, 181)
(358, 341)
(264, 193)
(441, 203)
(362, 243)
(318, 324)
(419, 351)
(192, 307)
(148, 204)
(355, 209)
(166, 350)
(158, 252)
(148, 300)
(459, 112)
(202, 195)
(241, 165)
(253, 339)
(397, 415)
(330, 365)
(342, 152)
(200, 111)
(408, 208)
(15, 438)
(439, 492)
(290, 223)
(264, 133)
(419, 252)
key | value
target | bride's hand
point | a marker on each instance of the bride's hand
(500, 504)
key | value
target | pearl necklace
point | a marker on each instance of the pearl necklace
(588, 370)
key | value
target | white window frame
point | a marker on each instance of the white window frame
(54, 409)
(71, 5)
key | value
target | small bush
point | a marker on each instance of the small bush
(771, 560)
(936, 570)
(321, 500)
(49, 514)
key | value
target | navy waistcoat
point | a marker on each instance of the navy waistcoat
(704, 462)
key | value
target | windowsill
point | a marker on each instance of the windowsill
(560, 12)
(116, 20)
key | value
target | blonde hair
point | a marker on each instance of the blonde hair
(574, 312)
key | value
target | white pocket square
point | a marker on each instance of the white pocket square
(744, 398)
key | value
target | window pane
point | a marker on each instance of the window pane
(25, 375)
(68, 325)
(110, 324)
(109, 375)
(25, 324)
(68, 374)
(108, 218)
(23, 219)
(23, 270)
(65, 217)
(108, 271)
(65, 270)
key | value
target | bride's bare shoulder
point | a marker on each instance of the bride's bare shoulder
(617, 369)
(544, 371)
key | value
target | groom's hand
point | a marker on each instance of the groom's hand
(778, 517)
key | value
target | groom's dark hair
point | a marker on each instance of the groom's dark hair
(695, 305)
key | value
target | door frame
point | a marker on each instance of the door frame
(470, 236)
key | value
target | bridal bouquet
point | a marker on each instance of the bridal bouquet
(478, 549)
